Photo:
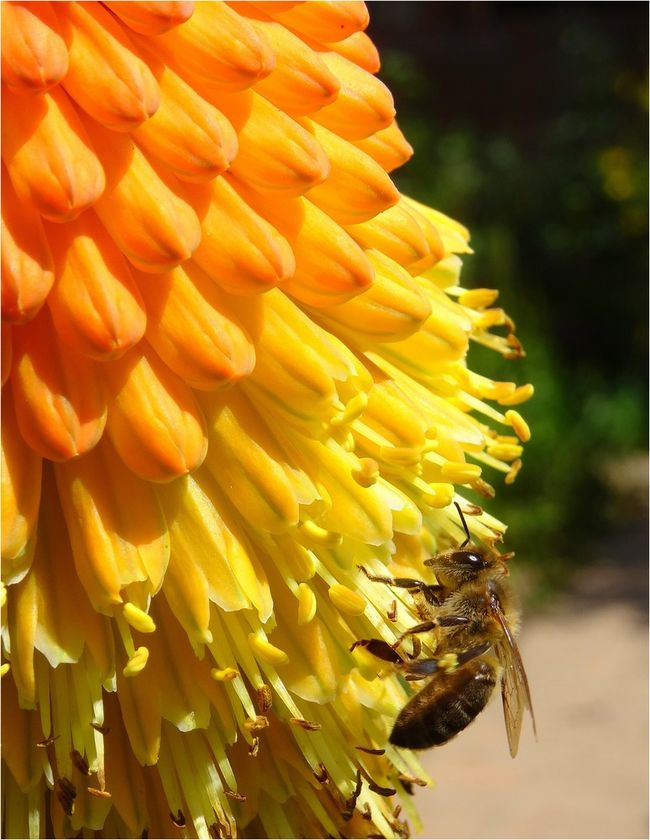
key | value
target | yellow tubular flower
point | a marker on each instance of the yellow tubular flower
(234, 370)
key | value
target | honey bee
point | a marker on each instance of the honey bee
(471, 612)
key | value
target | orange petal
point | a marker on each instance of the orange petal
(322, 21)
(6, 352)
(239, 250)
(152, 18)
(34, 55)
(49, 157)
(187, 134)
(59, 404)
(219, 45)
(27, 271)
(364, 104)
(21, 485)
(300, 83)
(330, 266)
(151, 225)
(190, 327)
(107, 77)
(95, 304)
(357, 188)
(154, 421)
(388, 147)
(359, 49)
(275, 153)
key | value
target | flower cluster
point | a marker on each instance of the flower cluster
(234, 367)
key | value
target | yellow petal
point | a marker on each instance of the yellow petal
(27, 270)
(364, 103)
(393, 308)
(300, 83)
(95, 304)
(247, 463)
(116, 527)
(322, 21)
(388, 147)
(150, 224)
(186, 134)
(192, 329)
(21, 485)
(59, 402)
(357, 188)
(239, 249)
(106, 77)
(154, 421)
(48, 155)
(152, 18)
(330, 267)
(219, 45)
(454, 235)
(34, 55)
(401, 236)
(275, 152)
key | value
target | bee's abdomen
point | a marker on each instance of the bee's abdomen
(445, 706)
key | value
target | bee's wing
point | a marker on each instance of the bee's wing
(515, 692)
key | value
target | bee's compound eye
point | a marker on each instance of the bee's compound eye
(469, 559)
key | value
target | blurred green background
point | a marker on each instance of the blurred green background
(529, 123)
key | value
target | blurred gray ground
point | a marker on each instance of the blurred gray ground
(587, 776)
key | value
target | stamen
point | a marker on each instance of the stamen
(80, 762)
(522, 429)
(347, 601)
(367, 473)
(514, 471)
(460, 472)
(307, 725)
(264, 699)
(224, 674)
(102, 794)
(323, 537)
(477, 298)
(138, 619)
(137, 662)
(266, 651)
(520, 395)
(306, 604)
(356, 406)
(4, 669)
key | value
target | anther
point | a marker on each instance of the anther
(238, 797)
(100, 728)
(307, 725)
(80, 762)
(46, 743)
(264, 699)
(179, 819)
(101, 794)
(256, 724)
(371, 750)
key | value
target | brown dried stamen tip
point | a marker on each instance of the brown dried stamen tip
(179, 819)
(483, 488)
(103, 794)
(46, 743)
(80, 762)
(103, 729)
(67, 787)
(307, 725)
(214, 830)
(264, 699)
(238, 797)
(472, 510)
(256, 724)
(321, 774)
(255, 748)
(417, 647)
(411, 780)
(401, 828)
(371, 750)
(66, 793)
(392, 612)
(382, 791)
(366, 814)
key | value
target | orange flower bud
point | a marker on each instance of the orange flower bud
(34, 55)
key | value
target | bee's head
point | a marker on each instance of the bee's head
(462, 565)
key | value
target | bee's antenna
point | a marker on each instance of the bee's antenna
(462, 519)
